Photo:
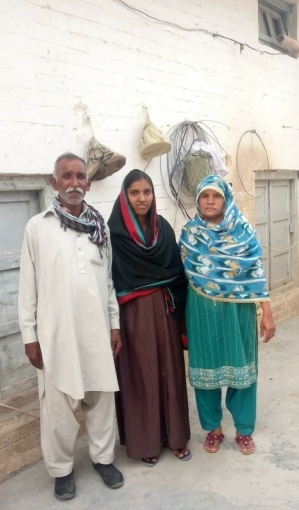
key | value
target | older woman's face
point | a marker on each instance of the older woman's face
(211, 204)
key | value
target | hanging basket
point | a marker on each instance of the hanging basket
(153, 143)
(102, 161)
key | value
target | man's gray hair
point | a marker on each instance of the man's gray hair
(69, 156)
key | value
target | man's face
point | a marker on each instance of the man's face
(71, 182)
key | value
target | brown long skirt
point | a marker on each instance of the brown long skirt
(152, 405)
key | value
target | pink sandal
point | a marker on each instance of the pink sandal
(210, 441)
(243, 442)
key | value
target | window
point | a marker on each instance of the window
(276, 18)
(275, 205)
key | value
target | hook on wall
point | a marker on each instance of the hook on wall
(88, 119)
(146, 114)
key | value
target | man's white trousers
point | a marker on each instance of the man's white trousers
(59, 427)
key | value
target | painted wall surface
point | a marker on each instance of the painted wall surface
(63, 59)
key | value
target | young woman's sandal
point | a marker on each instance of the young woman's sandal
(246, 444)
(213, 442)
(183, 454)
(149, 461)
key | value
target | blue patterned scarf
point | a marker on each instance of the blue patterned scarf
(223, 261)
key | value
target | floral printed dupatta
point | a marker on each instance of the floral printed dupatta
(223, 261)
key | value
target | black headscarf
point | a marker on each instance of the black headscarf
(144, 260)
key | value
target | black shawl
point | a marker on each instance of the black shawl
(139, 266)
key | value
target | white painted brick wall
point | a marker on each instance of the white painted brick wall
(59, 56)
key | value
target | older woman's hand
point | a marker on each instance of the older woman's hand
(267, 326)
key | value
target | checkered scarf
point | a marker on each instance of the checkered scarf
(94, 226)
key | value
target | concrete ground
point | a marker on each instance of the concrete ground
(227, 480)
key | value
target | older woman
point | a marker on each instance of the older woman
(151, 286)
(221, 254)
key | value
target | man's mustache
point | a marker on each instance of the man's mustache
(77, 190)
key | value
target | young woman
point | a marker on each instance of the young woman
(221, 254)
(148, 274)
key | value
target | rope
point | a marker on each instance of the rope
(145, 168)
(19, 411)
(89, 123)
(283, 249)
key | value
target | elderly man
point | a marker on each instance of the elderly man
(69, 321)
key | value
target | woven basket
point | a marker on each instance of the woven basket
(102, 161)
(197, 167)
(153, 143)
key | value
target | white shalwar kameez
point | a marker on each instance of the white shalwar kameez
(67, 303)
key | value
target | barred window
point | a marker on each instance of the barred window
(276, 18)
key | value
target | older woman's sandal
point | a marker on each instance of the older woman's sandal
(246, 444)
(213, 442)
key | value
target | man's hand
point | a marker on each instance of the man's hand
(115, 342)
(34, 353)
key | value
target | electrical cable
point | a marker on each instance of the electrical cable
(253, 131)
(195, 29)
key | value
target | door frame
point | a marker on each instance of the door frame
(40, 184)
(293, 175)
(29, 182)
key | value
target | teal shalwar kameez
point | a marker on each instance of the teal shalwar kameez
(222, 342)
(223, 263)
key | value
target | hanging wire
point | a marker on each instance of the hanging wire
(182, 136)
(196, 29)
(253, 131)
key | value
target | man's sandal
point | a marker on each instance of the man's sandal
(210, 442)
(246, 444)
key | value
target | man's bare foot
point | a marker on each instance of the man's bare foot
(213, 440)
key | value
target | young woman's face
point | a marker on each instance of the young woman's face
(211, 206)
(140, 194)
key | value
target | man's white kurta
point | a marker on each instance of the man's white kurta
(67, 303)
